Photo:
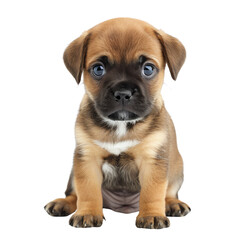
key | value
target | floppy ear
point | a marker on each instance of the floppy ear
(173, 52)
(75, 54)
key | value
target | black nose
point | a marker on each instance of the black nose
(123, 95)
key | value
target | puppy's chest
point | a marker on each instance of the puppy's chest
(119, 169)
(120, 173)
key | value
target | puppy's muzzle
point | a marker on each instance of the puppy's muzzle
(123, 101)
(123, 97)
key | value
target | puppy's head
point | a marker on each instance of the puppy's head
(123, 62)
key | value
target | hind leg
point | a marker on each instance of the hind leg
(175, 207)
(64, 206)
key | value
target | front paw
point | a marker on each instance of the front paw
(84, 221)
(152, 222)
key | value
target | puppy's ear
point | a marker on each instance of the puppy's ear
(75, 54)
(173, 52)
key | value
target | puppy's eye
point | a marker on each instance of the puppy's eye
(148, 70)
(98, 71)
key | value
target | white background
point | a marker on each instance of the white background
(39, 101)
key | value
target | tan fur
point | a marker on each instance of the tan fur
(156, 157)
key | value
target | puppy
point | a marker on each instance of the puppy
(126, 156)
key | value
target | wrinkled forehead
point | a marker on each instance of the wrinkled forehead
(123, 44)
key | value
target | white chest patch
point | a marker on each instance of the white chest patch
(117, 148)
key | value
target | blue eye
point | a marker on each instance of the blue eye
(98, 70)
(148, 70)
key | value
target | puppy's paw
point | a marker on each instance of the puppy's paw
(176, 208)
(156, 222)
(59, 208)
(84, 221)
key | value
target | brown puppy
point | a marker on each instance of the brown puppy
(126, 155)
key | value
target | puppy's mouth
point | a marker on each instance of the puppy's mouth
(123, 115)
